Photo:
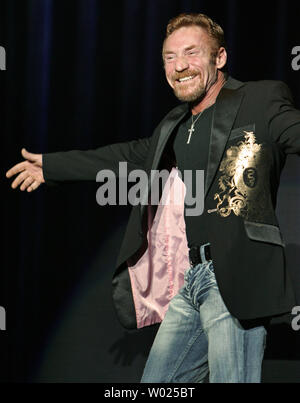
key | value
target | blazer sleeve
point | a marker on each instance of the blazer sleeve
(72, 166)
(283, 118)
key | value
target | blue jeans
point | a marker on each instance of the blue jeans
(199, 336)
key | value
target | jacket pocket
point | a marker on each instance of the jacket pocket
(264, 233)
(240, 131)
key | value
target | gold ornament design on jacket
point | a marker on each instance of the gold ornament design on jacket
(241, 185)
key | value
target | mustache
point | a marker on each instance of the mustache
(185, 74)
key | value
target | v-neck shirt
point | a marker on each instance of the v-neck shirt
(193, 157)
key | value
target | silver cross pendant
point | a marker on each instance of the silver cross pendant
(191, 131)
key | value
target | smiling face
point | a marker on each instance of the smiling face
(192, 62)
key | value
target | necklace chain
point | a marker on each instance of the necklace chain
(192, 129)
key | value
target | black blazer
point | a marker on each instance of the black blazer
(255, 126)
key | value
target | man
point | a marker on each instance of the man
(239, 134)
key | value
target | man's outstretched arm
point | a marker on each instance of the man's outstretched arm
(75, 166)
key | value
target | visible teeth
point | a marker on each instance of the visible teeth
(186, 79)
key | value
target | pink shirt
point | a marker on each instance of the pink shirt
(159, 274)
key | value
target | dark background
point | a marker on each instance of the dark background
(82, 74)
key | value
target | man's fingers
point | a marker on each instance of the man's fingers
(27, 183)
(16, 169)
(19, 179)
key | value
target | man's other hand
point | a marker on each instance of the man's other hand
(30, 172)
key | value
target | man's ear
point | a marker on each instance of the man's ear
(221, 59)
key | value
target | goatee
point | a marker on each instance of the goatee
(197, 95)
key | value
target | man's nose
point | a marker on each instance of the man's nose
(181, 64)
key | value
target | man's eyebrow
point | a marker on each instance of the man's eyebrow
(191, 47)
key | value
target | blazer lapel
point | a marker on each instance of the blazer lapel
(226, 109)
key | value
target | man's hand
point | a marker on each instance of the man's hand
(30, 172)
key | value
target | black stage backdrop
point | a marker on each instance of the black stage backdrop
(82, 74)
